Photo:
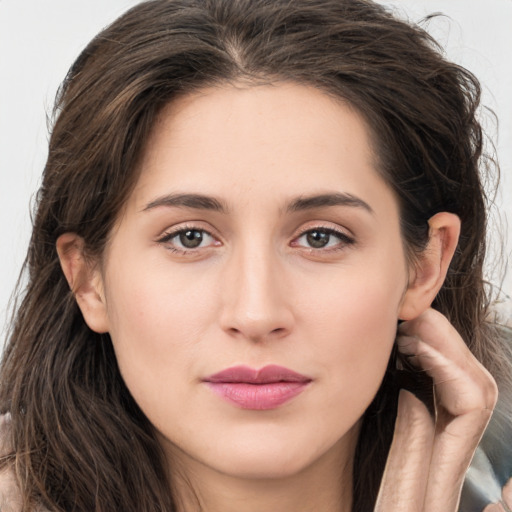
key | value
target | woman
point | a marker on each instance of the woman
(242, 201)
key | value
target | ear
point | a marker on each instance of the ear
(85, 281)
(428, 274)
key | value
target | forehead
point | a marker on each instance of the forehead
(281, 138)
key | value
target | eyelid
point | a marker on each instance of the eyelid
(326, 226)
(345, 237)
(171, 233)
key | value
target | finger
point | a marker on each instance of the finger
(434, 335)
(461, 384)
(404, 481)
(465, 394)
(437, 332)
(434, 328)
(455, 443)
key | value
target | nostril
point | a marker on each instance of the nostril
(258, 334)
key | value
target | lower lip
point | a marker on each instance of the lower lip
(258, 397)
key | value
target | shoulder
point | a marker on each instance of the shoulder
(10, 497)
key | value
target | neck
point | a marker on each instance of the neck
(324, 485)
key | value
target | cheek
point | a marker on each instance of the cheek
(146, 296)
(158, 323)
(356, 324)
(359, 303)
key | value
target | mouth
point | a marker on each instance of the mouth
(263, 389)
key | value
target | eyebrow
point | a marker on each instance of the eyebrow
(302, 203)
(323, 200)
(196, 201)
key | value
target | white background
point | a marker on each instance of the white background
(39, 40)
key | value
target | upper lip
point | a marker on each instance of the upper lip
(266, 375)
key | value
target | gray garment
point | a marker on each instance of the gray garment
(491, 467)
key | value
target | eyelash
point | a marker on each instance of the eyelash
(345, 240)
(167, 237)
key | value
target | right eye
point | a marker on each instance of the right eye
(188, 239)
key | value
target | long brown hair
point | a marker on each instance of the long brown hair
(80, 442)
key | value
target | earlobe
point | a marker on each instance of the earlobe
(85, 281)
(430, 271)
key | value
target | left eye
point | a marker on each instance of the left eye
(321, 238)
(186, 239)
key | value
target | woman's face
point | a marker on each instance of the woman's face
(259, 235)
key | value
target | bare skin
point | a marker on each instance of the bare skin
(255, 291)
(429, 457)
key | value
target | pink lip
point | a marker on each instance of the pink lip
(262, 389)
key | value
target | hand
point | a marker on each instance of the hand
(429, 456)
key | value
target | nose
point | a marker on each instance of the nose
(255, 297)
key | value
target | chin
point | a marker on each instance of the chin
(264, 465)
(274, 456)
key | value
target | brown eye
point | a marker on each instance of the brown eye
(188, 239)
(191, 238)
(318, 239)
(323, 238)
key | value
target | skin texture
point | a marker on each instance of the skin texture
(429, 457)
(256, 292)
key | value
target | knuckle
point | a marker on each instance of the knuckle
(491, 393)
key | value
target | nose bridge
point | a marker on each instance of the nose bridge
(255, 304)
